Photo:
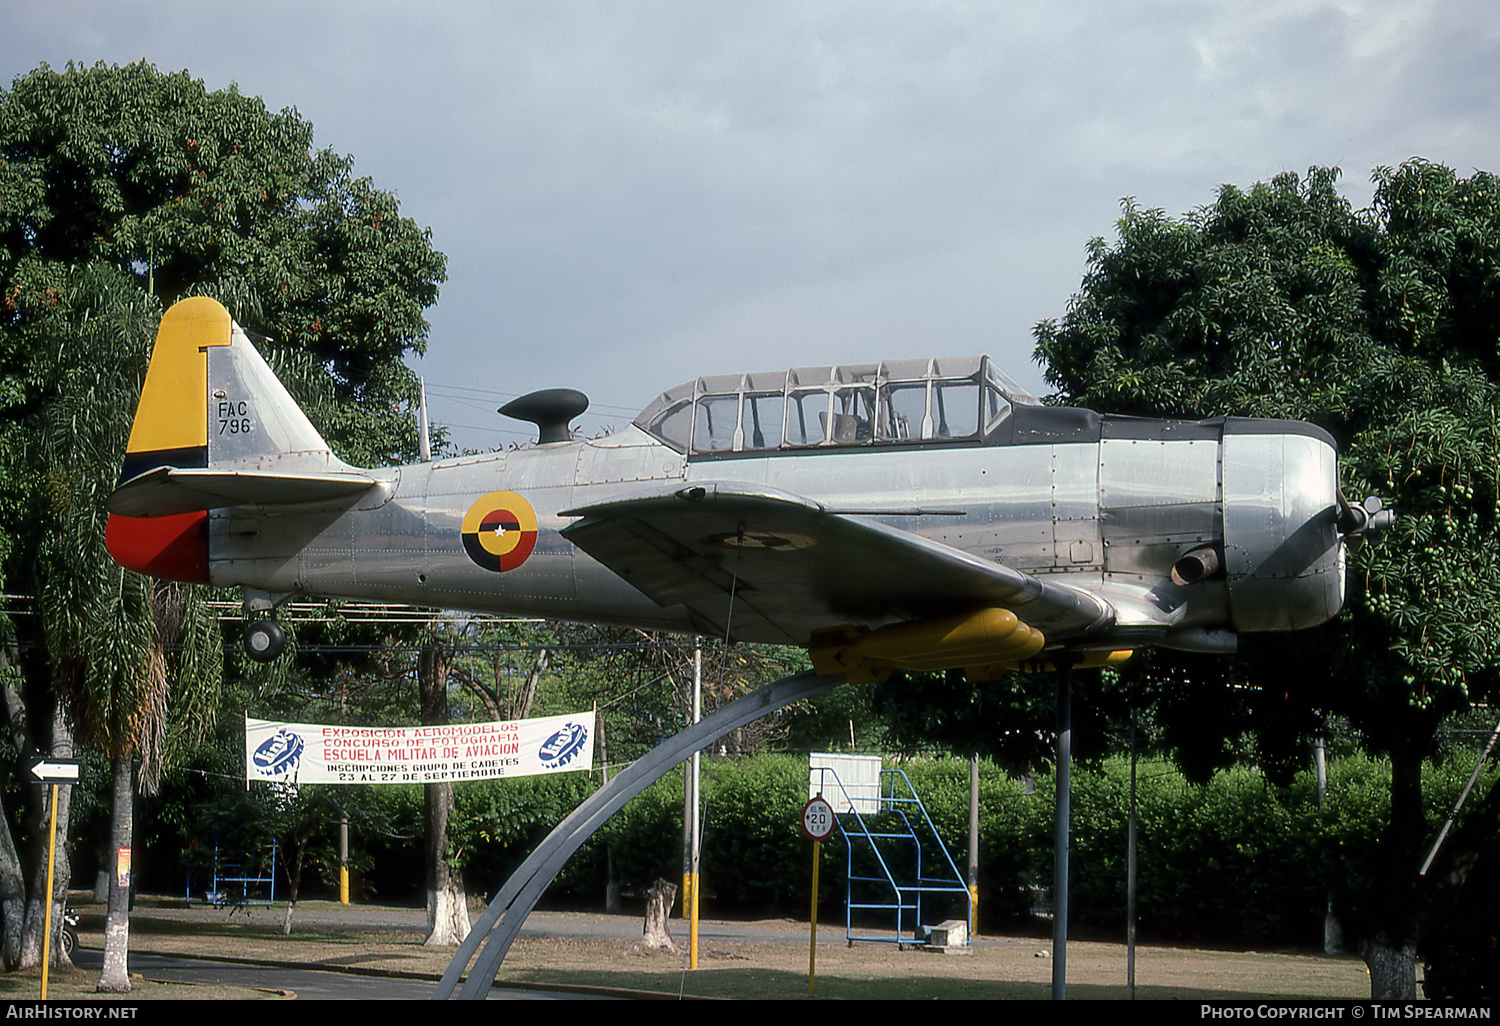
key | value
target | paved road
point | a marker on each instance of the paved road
(315, 983)
(305, 983)
(580, 925)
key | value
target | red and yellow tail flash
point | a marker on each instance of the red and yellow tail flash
(171, 430)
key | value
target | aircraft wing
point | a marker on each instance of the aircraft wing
(167, 491)
(766, 565)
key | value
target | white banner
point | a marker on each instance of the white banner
(307, 753)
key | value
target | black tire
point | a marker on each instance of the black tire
(69, 941)
(264, 640)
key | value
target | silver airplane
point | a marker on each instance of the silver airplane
(914, 514)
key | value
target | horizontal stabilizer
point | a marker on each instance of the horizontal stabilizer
(167, 491)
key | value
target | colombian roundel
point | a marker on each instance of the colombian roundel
(500, 531)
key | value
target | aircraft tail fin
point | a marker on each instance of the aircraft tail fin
(209, 400)
(214, 428)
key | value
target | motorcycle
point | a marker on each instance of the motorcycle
(69, 931)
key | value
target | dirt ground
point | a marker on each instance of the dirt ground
(1016, 968)
(765, 959)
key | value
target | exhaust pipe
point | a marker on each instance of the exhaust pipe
(1197, 565)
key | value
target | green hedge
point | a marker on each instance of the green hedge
(1234, 861)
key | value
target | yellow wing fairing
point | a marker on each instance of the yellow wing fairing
(972, 639)
(986, 645)
(1047, 663)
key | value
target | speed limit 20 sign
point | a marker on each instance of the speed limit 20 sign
(818, 820)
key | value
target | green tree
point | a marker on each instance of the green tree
(60, 467)
(447, 902)
(1379, 325)
(199, 192)
(143, 185)
(118, 641)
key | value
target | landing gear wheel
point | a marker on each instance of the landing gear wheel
(264, 640)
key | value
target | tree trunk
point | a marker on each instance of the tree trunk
(115, 979)
(1393, 970)
(611, 885)
(12, 898)
(1391, 950)
(35, 919)
(447, 904)
(294, 879)
(601, 746)
(522, 708)
(12, 873)
(654, 934)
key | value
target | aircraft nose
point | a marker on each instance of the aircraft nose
(1282, 546)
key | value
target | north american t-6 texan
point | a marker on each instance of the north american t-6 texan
(913, 514)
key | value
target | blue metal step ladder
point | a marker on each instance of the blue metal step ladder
(896, 864)
(248, 878)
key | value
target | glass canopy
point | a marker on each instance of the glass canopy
(897, 402)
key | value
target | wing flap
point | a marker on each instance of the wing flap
(795, 568)
(167, 491)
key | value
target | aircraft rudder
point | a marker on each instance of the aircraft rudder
(252, 418)
(171, 419)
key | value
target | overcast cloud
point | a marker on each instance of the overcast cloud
(633, 194)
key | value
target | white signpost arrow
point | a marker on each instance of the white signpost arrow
(54, 771)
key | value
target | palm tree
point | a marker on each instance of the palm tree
(116, 640)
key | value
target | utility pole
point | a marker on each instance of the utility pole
(973, 845)
(690, 826)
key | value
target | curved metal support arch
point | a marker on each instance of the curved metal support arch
(502, 920)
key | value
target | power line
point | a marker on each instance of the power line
(484, 398)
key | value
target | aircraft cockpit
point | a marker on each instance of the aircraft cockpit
(898, 402)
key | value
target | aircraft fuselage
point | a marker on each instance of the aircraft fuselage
(1106, 504)
(921, 513)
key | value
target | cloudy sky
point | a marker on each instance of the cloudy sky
(631, 194)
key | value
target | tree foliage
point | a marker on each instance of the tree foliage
(121, 190)
(1380, 325)
(1283, 301)
(198, 192)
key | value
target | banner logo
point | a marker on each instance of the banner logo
(279, 753)
(499, 531)
(559, 749)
